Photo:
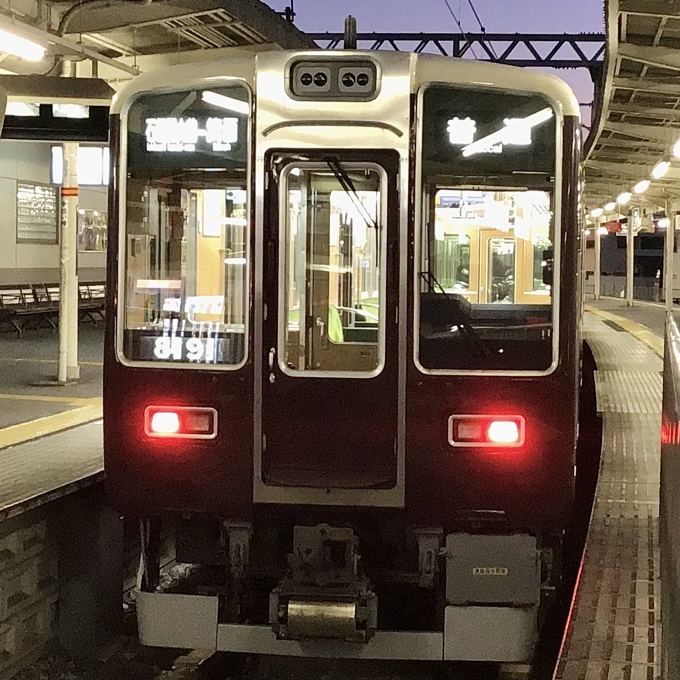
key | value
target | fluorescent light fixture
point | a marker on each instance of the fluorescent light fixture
(93, 165)
(664, 223)
(602, 231)
(610, 206)
(235, 260)
(223, 102)
(596, 212)
(70, 111)
(22, 109)
(20, 47)
(641, 187)
(516, 131)
(623, 198)
(660, 169)
(676, 149)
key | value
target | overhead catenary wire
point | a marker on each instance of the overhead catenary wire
(460, 27)
(481, 26)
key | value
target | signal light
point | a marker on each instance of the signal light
(164, 422)
(185, 422)
(503, 432)
(491, 431)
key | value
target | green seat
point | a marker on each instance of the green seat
(335, 331)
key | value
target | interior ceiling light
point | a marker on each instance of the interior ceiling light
(623, 198)
(660, 169)
(641, 187)
(20, 47)
(676, 149)
(596, 212)
(228, 103)
(610, 206)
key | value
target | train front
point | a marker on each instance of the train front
(341, 364)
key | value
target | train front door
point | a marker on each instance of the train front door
(330, 339)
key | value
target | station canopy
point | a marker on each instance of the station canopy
(636, 120)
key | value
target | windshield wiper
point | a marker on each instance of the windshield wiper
(345, 181)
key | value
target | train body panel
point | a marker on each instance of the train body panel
(343, 344)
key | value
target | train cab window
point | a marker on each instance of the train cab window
(332, 284)
(488, 161)
(185, 245)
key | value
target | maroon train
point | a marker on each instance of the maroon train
(343, 351)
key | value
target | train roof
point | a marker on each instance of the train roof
(425, 68)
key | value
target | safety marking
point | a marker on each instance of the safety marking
(22, 360)
(638, 331)
(16, 434)
(75, 401)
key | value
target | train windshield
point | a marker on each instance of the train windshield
(486, 295)
(186, 249)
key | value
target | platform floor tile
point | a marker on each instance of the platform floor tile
(615, 627)
(49, 467)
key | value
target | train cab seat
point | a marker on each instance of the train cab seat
(439, 312)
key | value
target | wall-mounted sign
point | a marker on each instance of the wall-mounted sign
(186, 134)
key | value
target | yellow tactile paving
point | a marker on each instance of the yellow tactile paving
(74, 401)
(642, 333)
(15, 434)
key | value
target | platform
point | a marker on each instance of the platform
(614, 631)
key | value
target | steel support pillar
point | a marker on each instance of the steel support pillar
(630, 256)
(598, 261)
(69, 370)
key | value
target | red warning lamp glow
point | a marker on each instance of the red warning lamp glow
(164, 422)
(503, 432)
(180, 422)
(490, 431)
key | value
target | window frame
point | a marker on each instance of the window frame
(422, 195)
(283, 224)
(121, 166)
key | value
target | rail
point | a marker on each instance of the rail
(669, 509)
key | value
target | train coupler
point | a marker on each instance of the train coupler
(323, 595)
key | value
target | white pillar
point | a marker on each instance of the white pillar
(68, 290)
(630, 255)
(672, 207)
(598, 260)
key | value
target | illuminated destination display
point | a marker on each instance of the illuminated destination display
(186, 134)
(515, 131)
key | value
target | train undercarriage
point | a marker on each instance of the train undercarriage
(348, 590)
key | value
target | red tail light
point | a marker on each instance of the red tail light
(489, 431)
(164, 422)
(186, 422)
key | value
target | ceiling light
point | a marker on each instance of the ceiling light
(676, 149)
(664, 223)
(596, 212)
(228, 103)
(22, 109)
(20, 47)
(623, 198)
(610, 206)
(641, 187)
(660, 169)
(70, 110)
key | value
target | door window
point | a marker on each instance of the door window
(333, 274)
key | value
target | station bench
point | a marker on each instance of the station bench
(25, 306)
